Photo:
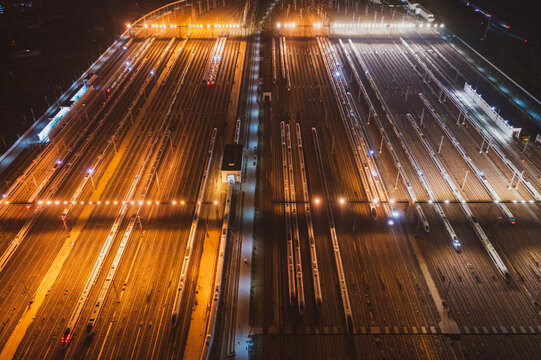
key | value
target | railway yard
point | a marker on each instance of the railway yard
(374, 211)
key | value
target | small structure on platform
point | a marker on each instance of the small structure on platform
(491, 112)
(267, 92)
(267, 72)
(232, 163)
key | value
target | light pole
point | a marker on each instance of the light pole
(397, 178)
(90, 172)
(63, 218)
(486, 29)
(27, 292)
(114, 144)
(441, 143)
(446, 291)
(465, 177)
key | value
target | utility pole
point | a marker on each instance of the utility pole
(90, 172)
(26, 290)
(486, 29)
(65, 225)
(114, 144)
(482, 146)
(446, 290)
(116, 291)
(465, 177)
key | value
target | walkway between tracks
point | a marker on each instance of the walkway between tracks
(242, 331)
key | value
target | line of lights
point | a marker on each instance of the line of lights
(215, 202)
(341, 201)
(218, 26)
(383, 25)
(106, 202)
(163, 26)
(286, 25)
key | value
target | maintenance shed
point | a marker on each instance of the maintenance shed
(232, 163)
